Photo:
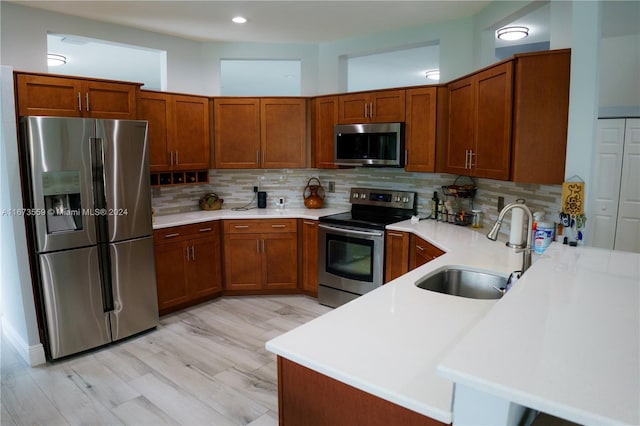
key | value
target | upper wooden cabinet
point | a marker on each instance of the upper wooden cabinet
(179, 136)
(325, 117)
(479, 123)
(254, 133)
(75, 97)
(423, 110)
(382, 106)
(541, 111)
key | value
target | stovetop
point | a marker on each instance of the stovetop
(375, 208)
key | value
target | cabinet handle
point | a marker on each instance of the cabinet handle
(258, 157)
(241, 226)
(177, 162)
(79, 102)
(365, 110)
(193, 253)
(406, 157)
(263, 246)
(420, 247)
(278, 226)
(258, 246)
(471, 154)
(308, 223)
(186, 252)
(371, 109)
(205, 229)
(393, 234)
(86, 96)
(466, 158)
(177, 234)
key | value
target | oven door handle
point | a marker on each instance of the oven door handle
(351, 231)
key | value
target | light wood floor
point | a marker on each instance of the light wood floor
(203, 366)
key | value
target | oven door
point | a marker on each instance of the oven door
(350, 259)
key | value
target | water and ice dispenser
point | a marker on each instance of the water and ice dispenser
(63, 206)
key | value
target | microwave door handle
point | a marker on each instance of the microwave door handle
(351, 231)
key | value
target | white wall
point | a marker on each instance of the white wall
(17, 308)
(620, 76)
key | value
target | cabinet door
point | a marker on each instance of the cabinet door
(396, 254)
(50, 96)
(283, 133)
(354, 109)
(190, 129)
(387, 106)
(154, 107)
(109, 100)
(541, 110)
(280, 260)
(325, 118)
(236, 133)
(420, 130)
(171, 274)
(309, 264)
(422, 252)
(242, 261)
(461, 127)
(203, 273)
(494, 99)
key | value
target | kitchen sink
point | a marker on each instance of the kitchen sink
(465, 283)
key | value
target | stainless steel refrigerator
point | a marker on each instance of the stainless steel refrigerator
(88, 212)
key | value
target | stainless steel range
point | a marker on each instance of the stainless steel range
(351, 245)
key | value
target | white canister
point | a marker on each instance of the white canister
(543, 236)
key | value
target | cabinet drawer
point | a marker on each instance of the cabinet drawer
(251, 226)
(184, 232)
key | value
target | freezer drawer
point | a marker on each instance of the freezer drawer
(133, 276)
(72, 294)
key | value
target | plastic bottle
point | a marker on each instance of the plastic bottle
(440, 210)
(543, 236)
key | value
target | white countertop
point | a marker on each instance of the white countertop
(564, 341)
(166, 221)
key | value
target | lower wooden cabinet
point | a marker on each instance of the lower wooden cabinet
(309, 256)
(422, 252)
(405, 252)
(187, 265)
(396, 254)
(260, 255)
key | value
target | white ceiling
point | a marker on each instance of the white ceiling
(268, 21)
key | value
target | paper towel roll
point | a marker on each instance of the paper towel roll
(515, 235)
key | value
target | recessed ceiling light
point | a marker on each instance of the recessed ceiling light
(239, 19)
(512, 33)
(433, 74)
(54, 60)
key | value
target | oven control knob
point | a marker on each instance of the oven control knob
(405, 200)
(397, 198)
(355, 195)
(363, 195)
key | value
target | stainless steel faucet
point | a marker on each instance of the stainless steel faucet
(526, 252)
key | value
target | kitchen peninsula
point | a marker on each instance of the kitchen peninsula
(563, 341)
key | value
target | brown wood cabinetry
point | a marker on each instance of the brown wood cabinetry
(260, 255)
(306, 397)
(396, 255)
(422, 252)
(187, 265)
(254, 133)
(425, 111)
(309, 256)
(479, 123)
(179, 136)
(325, 117)
(541, 111)
(75, 97)
(381, 106)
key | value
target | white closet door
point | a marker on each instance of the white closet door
(606, 180)
(628, 227)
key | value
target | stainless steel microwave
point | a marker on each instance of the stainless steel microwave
(371, 144)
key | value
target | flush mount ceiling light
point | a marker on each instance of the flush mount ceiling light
(239, 19)
(512, 33)
(54, 60)
(433, 74)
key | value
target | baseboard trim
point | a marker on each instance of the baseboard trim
(32, 354)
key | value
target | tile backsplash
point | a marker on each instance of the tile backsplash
(236, 188)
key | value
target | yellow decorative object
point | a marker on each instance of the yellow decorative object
(573, 198)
